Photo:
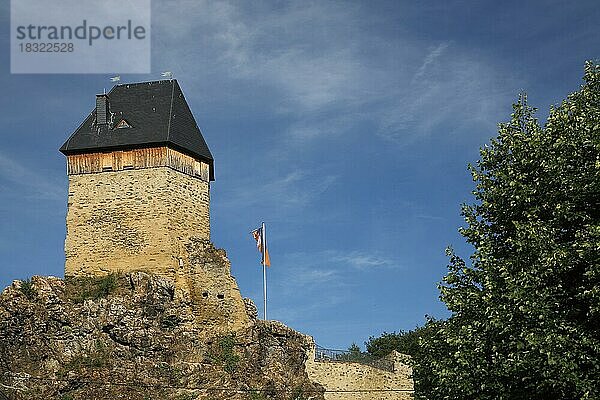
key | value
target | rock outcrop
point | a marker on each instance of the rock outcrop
(132, 336)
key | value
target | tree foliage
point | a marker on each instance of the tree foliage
(354, 352)
(525, 320)
(405, 342)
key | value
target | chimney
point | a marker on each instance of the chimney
(102, 110)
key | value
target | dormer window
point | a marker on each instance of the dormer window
(122, 125)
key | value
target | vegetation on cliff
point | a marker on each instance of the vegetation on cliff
(130, 336)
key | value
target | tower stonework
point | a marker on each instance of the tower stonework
(139, 183)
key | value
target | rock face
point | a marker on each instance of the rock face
(191, 335)
(139, 336)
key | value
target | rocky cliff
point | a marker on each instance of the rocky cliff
(139, 336)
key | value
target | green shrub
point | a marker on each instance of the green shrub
(80, 289)
(170, 321)
(186, 396)
(106, 285)
(98, 357)
(256, 395)
(225, 353)
(297, 393)
(27, 289)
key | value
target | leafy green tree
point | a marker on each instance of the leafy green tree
(354, 351)
(405, 342)
(525, 320)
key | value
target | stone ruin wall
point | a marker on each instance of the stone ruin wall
(205, 280)
(354, 381)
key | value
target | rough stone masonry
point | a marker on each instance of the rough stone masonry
(134, 219)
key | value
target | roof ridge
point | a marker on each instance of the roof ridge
(171, 110)
(144, 82)
(66, 145)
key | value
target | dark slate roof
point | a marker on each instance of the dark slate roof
(158, 115)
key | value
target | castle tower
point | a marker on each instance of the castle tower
(139, 178)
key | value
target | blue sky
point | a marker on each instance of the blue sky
(345, 126)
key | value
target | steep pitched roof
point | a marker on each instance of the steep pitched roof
(155, 113)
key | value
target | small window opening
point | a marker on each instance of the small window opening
(220, 296)
(204, 294)
(107, 169)
(122, 125)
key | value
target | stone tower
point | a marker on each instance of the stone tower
(139, 178)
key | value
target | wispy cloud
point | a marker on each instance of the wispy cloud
(430, 58)
(363, 260)
(430, 217)
(319, 283)
(291, 51)
(306, 62)
(328, 266)
(309, 276)
(31, 184)
(295, 189)
(451, 91)
(306, 130)
(323, 280)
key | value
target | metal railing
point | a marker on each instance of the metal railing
(332, 355)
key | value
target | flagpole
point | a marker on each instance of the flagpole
(264, 263)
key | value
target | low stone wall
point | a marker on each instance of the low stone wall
(355, 381)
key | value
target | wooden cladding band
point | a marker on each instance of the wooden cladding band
(137, 159)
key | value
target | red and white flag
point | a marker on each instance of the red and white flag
(261, 245)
